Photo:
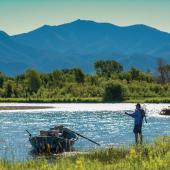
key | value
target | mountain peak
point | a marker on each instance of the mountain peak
(90, 22)
(4, 36)
(142, 27)
(3, 33)
(83, 21)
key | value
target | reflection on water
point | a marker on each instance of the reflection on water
(104, 123)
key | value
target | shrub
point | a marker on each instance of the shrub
(113, 92)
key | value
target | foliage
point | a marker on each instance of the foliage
(9, 88)
(113, 92)
(110, 83)
(108, 67)
(33, 81)
(2, 79)
(79, 75)
(164, 71)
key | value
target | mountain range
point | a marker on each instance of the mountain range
(81, 43)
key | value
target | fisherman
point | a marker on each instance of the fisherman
(138, 116)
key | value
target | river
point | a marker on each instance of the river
(105, 123)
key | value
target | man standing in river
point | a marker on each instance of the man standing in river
(138, 116)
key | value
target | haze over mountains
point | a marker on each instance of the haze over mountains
(80, 44)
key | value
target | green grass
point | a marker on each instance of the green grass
(148, 100)
(155, 156)
(85, 100)
(52, 100)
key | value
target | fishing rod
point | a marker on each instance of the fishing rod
(84, 137)
(87, 138)
(28, 133)
(144, 108)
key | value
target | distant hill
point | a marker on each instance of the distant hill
(16, 57)
(81, 43)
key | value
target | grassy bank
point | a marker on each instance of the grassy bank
(147, 157)
(148, 100)
(52, 100)
(84, 100)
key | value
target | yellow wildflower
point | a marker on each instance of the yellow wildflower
(79, 164)
(132, 153)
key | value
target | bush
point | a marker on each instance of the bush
(113, 92)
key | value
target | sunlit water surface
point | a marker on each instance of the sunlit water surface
(104, 123)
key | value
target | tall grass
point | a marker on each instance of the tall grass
(154, 156)
(85, 100)
(53, 100)
(148, 100)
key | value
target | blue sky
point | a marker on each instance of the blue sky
(18, 16)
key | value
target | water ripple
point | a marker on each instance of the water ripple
(104, 123)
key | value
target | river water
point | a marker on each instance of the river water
(104, 123)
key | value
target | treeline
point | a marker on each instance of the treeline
(109, 82)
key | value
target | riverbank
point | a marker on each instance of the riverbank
(24, 107)
(147, 157)
(85, 100)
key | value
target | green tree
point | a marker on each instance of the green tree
(74, 74)
(92, 80)
(8, 88)
(167, 73)
(33, 80)
(164, 71)
(107, 67)
(113, 92)
(125, 76)
(57, 78)
(79, 75)
(134, 73)
(160, 67)
(2, 79)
